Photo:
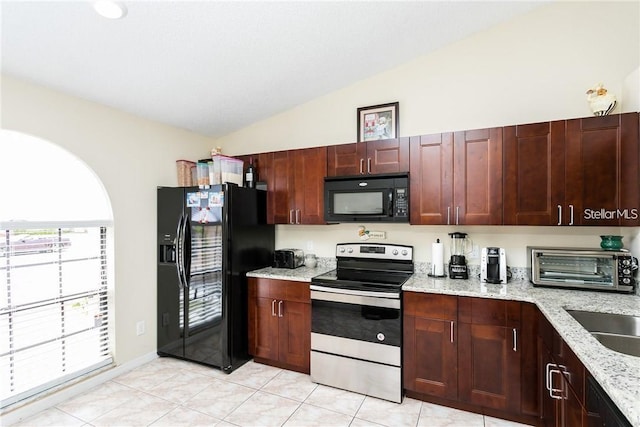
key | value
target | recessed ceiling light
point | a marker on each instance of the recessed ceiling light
(110, 9)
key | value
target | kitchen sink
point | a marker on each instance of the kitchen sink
(619, 332)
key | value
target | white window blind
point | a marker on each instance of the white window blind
(53, 308)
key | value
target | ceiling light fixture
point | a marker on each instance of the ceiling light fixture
(110, 9)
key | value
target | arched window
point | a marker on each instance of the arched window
(55, 223)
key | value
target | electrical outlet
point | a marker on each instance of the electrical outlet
(309, 245)
(475, 251)
(140, 327)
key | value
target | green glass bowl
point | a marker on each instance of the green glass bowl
(611, 243)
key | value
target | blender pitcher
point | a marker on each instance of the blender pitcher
(460, 247)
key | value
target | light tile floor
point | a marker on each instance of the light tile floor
(171, 392)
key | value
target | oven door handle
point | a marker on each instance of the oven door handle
(318, 293)
(379, 294)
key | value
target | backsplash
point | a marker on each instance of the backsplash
(517, 273)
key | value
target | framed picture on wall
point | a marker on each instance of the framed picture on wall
(378, 122)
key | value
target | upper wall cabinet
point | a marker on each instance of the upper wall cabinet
(456, 178)
(371, 157)
(573, 172)
(534, 173)
(295, 179)
(602, 181)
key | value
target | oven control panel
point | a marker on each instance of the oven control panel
(374, 251)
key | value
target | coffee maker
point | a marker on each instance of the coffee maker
(493, 265)
(460, 246)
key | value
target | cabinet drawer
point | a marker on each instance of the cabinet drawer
(431, 306)
(279, 289)
(482, 311)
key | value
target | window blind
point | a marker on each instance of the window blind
(54, 315)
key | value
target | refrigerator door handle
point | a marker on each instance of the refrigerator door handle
(186, 237)
(179, 254)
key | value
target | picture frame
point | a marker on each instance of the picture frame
(378, 122)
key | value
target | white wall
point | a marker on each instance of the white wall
(534, 68)
(132, 157)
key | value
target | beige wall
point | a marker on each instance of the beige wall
(536, 67)
(132, 157)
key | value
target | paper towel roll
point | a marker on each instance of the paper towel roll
(437, 258)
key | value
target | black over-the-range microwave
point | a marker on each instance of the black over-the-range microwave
(367, 198)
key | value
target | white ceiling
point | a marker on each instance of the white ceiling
(213, 67)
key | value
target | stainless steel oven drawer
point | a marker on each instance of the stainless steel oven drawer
(372, 379)
(380, 353)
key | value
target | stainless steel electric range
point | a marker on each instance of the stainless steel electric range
(356, 319)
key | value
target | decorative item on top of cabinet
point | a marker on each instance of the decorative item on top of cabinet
(372, 157)
(456, 178)
(601, 102)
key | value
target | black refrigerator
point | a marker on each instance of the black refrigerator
(208, 239)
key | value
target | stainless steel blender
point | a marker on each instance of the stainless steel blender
(460, 246)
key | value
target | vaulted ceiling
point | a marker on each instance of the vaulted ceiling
(213, 67)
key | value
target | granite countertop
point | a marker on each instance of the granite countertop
(300, 274)
(617, 373)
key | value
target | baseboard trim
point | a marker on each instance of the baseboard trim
(29, 407)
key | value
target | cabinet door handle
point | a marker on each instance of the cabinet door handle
(280, 308)
(448, 215)
(515, 340)
(369, 165)
(290, 216)
(457, 215)
(559, 214)
(273, 308)
(451, 327)
(297, 216)
(361, 166)
(570, 214)
(555, 393)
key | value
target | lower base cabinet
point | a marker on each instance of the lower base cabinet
(430, 349)
(466, 353)
(280, 323)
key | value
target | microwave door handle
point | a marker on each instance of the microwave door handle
(390, 212)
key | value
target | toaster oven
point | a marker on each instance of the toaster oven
(578, 268)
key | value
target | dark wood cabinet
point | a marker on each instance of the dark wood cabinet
(456, 178)
(280, 323)
(534, 173)
(561, 381)
(430, 345)
(371, 157)
(295, 182)
(431, 179)
(489, 351)
(602, 170)
(475, 354)
(529, 397)
(573, 172)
